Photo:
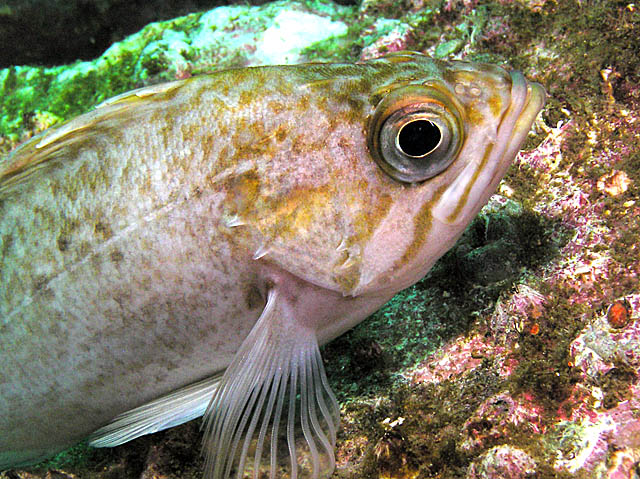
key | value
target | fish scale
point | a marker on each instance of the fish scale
(184, 248)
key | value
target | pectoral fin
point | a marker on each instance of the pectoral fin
(273, 414)
(176, 408)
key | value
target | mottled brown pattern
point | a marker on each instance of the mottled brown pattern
(139, 240)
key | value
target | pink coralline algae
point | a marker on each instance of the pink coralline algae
(548, 155)
(593, 435)
(623, 464)
(598, 437)
(460, 357)
(600, 347)
(626, 416)
(567, 198)
(498, 417)
(503, 462)
(396, 40)
(518, 313)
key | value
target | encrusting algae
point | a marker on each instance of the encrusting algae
(183, 249)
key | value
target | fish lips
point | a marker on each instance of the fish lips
(480, 178)
(527, 99)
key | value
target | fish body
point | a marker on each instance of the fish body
(184, 248)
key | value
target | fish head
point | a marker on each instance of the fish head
(370, 172)
(444, 134)
(378, 170)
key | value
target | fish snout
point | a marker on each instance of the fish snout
(527, 99)
(490, 149)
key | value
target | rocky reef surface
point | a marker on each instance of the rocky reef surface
(518, 356)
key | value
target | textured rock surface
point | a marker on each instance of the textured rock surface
(236, 35)
(52, 32)
(506, 360)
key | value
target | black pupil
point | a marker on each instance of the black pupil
(419, 137)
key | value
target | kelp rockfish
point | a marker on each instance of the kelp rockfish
(184, 248)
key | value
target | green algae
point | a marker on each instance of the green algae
(63, 92)
(343, 48)
(544, 367)
(162, 51)
(79, 456)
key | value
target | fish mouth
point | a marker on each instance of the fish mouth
(527, 99)
(480, 177)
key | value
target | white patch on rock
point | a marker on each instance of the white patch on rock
(584, 444)
(292, 31)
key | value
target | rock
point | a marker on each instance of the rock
(503, 462)
(223, 37)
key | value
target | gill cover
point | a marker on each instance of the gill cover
(416, 132)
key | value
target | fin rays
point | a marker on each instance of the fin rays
(176, 408)
(274, 378)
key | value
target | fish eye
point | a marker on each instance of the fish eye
(418, 137)
(415, 133)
